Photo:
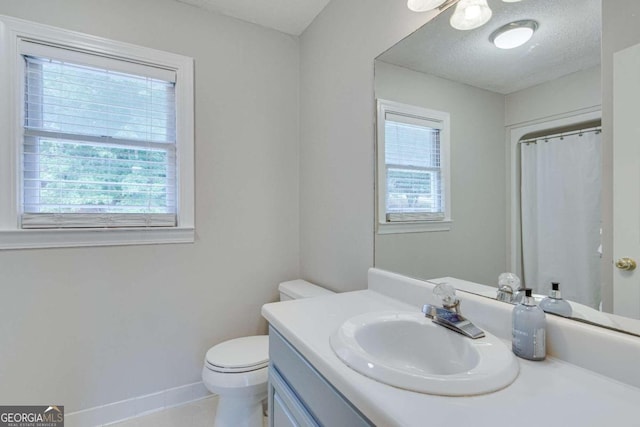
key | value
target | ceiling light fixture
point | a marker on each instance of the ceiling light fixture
(470, 14)
(423, 5)
(513, 34)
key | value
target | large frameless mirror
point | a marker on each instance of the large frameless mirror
(515, 181)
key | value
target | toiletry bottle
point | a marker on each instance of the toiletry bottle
(554, 302)
(529, 329)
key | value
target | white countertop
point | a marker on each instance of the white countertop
(549, 393)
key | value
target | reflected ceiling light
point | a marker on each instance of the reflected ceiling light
(513, 34)
(423, 5)
(470, 14)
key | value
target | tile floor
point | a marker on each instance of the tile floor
(195, 414)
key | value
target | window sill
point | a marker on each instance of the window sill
(61, 238)
(414, 227)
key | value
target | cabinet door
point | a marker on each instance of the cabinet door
(286, 410)
(281, 417)
(317, 399)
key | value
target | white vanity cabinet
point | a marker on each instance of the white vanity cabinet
(300, 396)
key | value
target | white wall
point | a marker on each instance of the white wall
(474, 247)
(85, 327)
(573, 92)
(336, 141)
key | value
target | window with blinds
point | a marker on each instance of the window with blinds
(411, 143)
(99, 144)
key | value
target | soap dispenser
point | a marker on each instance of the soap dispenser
(554, 302)
(529, 329)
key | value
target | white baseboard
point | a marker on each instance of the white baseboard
(137, 406)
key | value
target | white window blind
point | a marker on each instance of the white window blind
(99, 143)
(412, 147)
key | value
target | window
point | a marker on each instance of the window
(101, 144)
(413, 172)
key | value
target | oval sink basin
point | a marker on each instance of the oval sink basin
(409, 351)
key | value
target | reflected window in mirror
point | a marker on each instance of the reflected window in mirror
(413, 168)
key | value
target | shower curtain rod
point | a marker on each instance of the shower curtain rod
(560, 135)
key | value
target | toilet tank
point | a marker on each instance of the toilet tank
(298, 289)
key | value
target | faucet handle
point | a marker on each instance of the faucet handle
(511, 280)
(447, 295)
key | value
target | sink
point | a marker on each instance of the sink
(409, 351)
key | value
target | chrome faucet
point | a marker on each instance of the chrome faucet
(505, 293)
(449, 315)
(510, 288)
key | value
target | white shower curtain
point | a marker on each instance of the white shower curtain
(560, 201)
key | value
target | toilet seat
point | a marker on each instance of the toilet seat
(239, 355)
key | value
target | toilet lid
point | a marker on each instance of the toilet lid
(240, 354)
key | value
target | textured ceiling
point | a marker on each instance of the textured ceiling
(567, 40)
(288, 16)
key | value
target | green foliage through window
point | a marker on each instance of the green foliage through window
(97, 140)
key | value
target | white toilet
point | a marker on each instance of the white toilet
(236, 370)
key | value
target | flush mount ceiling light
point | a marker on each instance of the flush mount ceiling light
(470, 14)
(513, 34)
(423, 5)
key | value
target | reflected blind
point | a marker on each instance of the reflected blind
(413, 169)
(99, 145)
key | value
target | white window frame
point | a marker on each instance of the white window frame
(420, 113)
(12, 236)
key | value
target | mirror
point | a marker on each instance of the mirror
(522, 198)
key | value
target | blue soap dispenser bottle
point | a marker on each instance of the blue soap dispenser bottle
(529, 329)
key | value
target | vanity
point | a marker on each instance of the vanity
(310, 385)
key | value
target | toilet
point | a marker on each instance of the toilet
(236, 370)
